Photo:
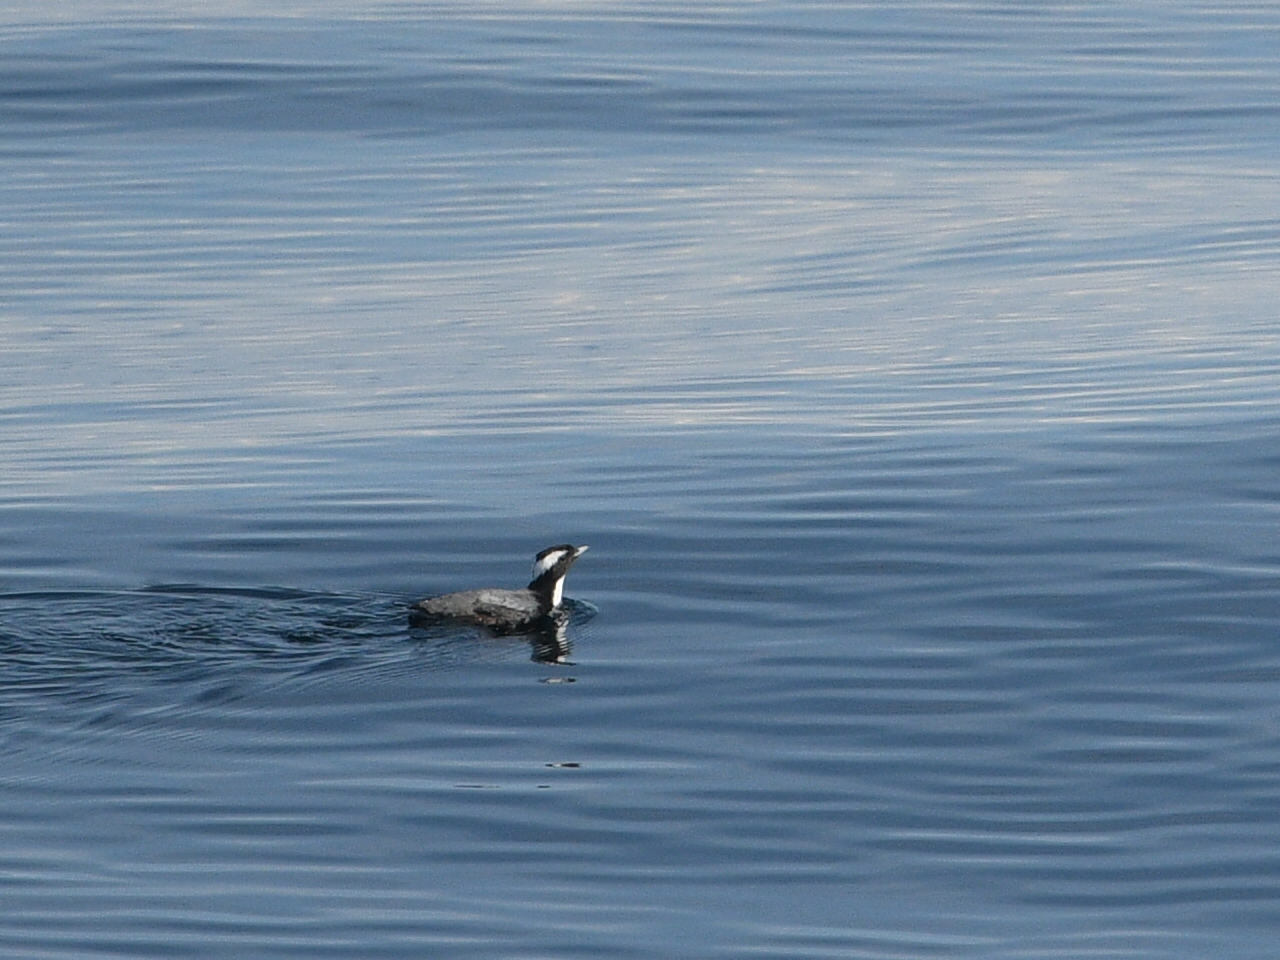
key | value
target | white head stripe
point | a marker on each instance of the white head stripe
(547, 562)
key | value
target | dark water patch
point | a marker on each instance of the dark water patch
(812, 72)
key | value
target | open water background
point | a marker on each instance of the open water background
(912, 370)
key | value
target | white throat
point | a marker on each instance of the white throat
(557, 593)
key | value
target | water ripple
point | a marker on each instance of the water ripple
(811, 71)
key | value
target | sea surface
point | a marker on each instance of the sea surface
(912, 370)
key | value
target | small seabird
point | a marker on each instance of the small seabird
(508, 611)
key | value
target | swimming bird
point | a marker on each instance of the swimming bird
(508, 611)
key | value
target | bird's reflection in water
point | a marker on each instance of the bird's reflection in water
(550, 640)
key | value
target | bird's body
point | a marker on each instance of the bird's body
(488, 607)
(508, 610)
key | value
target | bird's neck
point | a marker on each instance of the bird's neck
(549, 588)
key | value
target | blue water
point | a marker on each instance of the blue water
(912, 370)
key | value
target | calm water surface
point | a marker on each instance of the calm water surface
(912, 370)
